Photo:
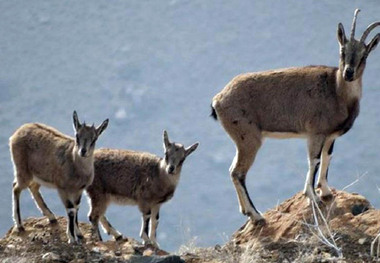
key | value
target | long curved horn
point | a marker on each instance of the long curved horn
(368, 30)
(354, 24)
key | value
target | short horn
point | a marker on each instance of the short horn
(354, 23)
(368, 30)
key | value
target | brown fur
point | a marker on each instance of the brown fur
(41, 155)
(318, 103)
(135, 178)
(274, 101)
(42, 151)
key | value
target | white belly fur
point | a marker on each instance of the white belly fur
(283, 135)
(122, 200)
(44, 183)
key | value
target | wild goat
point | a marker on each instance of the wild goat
(42, 155)
(135, 178)
(318, 103)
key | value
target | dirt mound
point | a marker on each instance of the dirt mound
(350, 218)
(347, 212)
(45, 242)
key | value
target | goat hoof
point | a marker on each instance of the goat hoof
(327, 198)
(72, 242)
(80, 237)
(20, 229)
(53, 221)
(260, 222)
(242, 211)
(119, 238)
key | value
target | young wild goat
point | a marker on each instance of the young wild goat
(42, 155)
(318, 103)
(135, 178)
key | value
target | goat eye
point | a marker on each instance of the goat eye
(93, 142)
(77, 139)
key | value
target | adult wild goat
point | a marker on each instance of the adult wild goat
(318, 103)
(42, 155)
(135, 178)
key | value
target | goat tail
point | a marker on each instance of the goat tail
(213, 113)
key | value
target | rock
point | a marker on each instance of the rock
(361, 241)
(148, 252)
(50, 256)
(10, 246)
(96, 249)
(156, 259)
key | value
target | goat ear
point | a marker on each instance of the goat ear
(372, 45)
(341, 35)
(76, 122)
(191, 149)
(102, 127)
(166, 139)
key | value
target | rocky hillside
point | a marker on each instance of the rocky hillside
(293, 233)
(44, 242)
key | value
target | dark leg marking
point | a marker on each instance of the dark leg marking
(79, 236)
(146, 228)
(53, 221)
(331, 148)
(69, 204)
(18, 210)
(71, 222)
(315, 172)
(70, 214)
(16, 196)
(99, 235)
(109, 224)
(157, 219)
(18, 213)
(242, 182)
(44, 204)
(330, 151)
(91, 219)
